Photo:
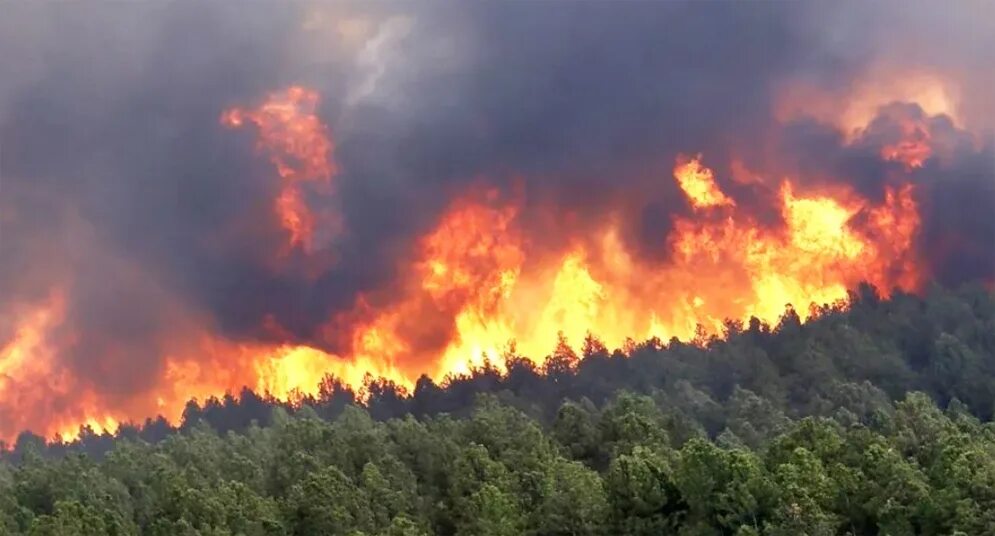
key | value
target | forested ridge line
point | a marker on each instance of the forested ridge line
(869, 419)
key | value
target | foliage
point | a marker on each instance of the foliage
(867, 420)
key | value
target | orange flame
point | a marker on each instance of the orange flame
(300, 147)
(473, 282)
(699, 184)
(29, 374)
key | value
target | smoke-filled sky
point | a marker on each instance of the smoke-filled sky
(122, 190)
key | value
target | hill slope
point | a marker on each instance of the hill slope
(867, 420)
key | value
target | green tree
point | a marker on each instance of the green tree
(631, 421)
(576, 430)
(326, 502)
(490, 511)
(70, 518)
(573, 501)
(804, 497)
(724, 489)
(642, 497)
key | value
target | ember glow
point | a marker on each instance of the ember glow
(913, 146)
(852, 110)
(281, 196)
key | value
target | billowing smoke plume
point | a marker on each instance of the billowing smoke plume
(143, 261)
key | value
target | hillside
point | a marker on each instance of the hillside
(871, 419)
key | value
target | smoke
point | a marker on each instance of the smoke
(121, 188)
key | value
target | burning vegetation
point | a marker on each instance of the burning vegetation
(475, 284)
(300, 231)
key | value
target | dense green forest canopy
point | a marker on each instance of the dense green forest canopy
(869, 419)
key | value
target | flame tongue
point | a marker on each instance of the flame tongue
(299, 146)
(699, 185)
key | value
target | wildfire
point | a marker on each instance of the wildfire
(300, 147)
(477, 281)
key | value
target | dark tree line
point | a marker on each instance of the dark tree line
(868, 419)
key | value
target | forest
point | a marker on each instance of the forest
(873, 417)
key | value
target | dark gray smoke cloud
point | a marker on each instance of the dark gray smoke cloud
(109, 123)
